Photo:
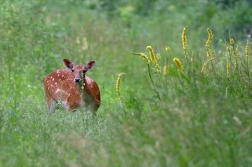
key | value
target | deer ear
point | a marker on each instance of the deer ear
(68, 63)
(89, 65)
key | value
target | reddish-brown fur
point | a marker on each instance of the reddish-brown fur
(69, 87)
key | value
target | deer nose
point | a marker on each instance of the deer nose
(77, 79)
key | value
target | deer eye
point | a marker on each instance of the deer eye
(72, 70)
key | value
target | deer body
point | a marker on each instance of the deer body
(72, 88)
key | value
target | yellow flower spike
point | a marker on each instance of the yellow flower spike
(165, 70)
(208, 42)
(118, 82)
(228, 68)
(228, 49)
(208, 49)
(179, 64)
(184, 40)
(247, 51)
(210, 37)
(153, 58)
(236, 53)
(144, 57)
(204, 65)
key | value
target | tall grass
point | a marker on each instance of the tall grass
(185, 101)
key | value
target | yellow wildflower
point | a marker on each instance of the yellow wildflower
(228, 68)
(231, 40)
(247, 51)
(204, 65)
(118, 90)
(167, 49)
(165, 70)
(236, 53)
(210, 36)
(153, 58)
(228, 49)
(144, 57)
(179, 64)
(184, 42)
(158, 56)
(208, 42)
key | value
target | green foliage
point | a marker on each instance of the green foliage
(184, 118)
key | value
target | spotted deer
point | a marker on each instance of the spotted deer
(72, 88)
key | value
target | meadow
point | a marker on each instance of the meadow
(175, 81)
